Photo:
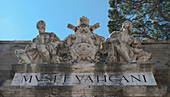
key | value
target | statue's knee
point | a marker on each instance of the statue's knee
(42, 48)
(19, 51)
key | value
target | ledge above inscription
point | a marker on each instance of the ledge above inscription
(91, 67)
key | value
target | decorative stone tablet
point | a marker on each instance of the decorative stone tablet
(83, 79)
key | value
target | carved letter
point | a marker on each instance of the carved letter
(88, 78)
(48, 78)
(101, 80)
(144, 78)
(125, 78)
(65, 77)
(136, 78)
(38, 80)
(55, 78)
(79, 78)
(25, 79)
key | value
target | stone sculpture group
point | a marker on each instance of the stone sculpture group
(83, 46)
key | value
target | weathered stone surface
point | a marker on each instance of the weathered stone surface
(87, 89)
(88, 85)
(5, 73)
(160, 54)
(7, 48)
(91, 67)
(128, 91)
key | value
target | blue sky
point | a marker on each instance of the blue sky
(18, 18)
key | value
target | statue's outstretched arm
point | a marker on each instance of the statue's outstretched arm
(72, 27)
(95, 26)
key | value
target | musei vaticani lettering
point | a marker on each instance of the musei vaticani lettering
(35, 79)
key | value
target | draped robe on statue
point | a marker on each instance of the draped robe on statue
(42, 49)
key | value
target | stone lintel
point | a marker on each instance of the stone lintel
(91, 67)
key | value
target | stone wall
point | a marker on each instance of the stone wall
(7, 57)
(160, 52)
(160, 56)
(7, 48)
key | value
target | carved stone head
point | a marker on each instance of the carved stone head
(41, 26)
(127, 25)
(83, 21)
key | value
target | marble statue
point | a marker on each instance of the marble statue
(122, 47)
(43, 48)
(84, 44)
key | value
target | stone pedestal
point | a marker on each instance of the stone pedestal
(51, 80)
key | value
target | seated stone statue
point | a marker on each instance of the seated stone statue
(43, 48)
(124, 48)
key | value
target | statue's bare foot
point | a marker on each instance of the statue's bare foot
(133, 61)
(111, 59)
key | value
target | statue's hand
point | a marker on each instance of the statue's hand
(31, 46)
(34, 45)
